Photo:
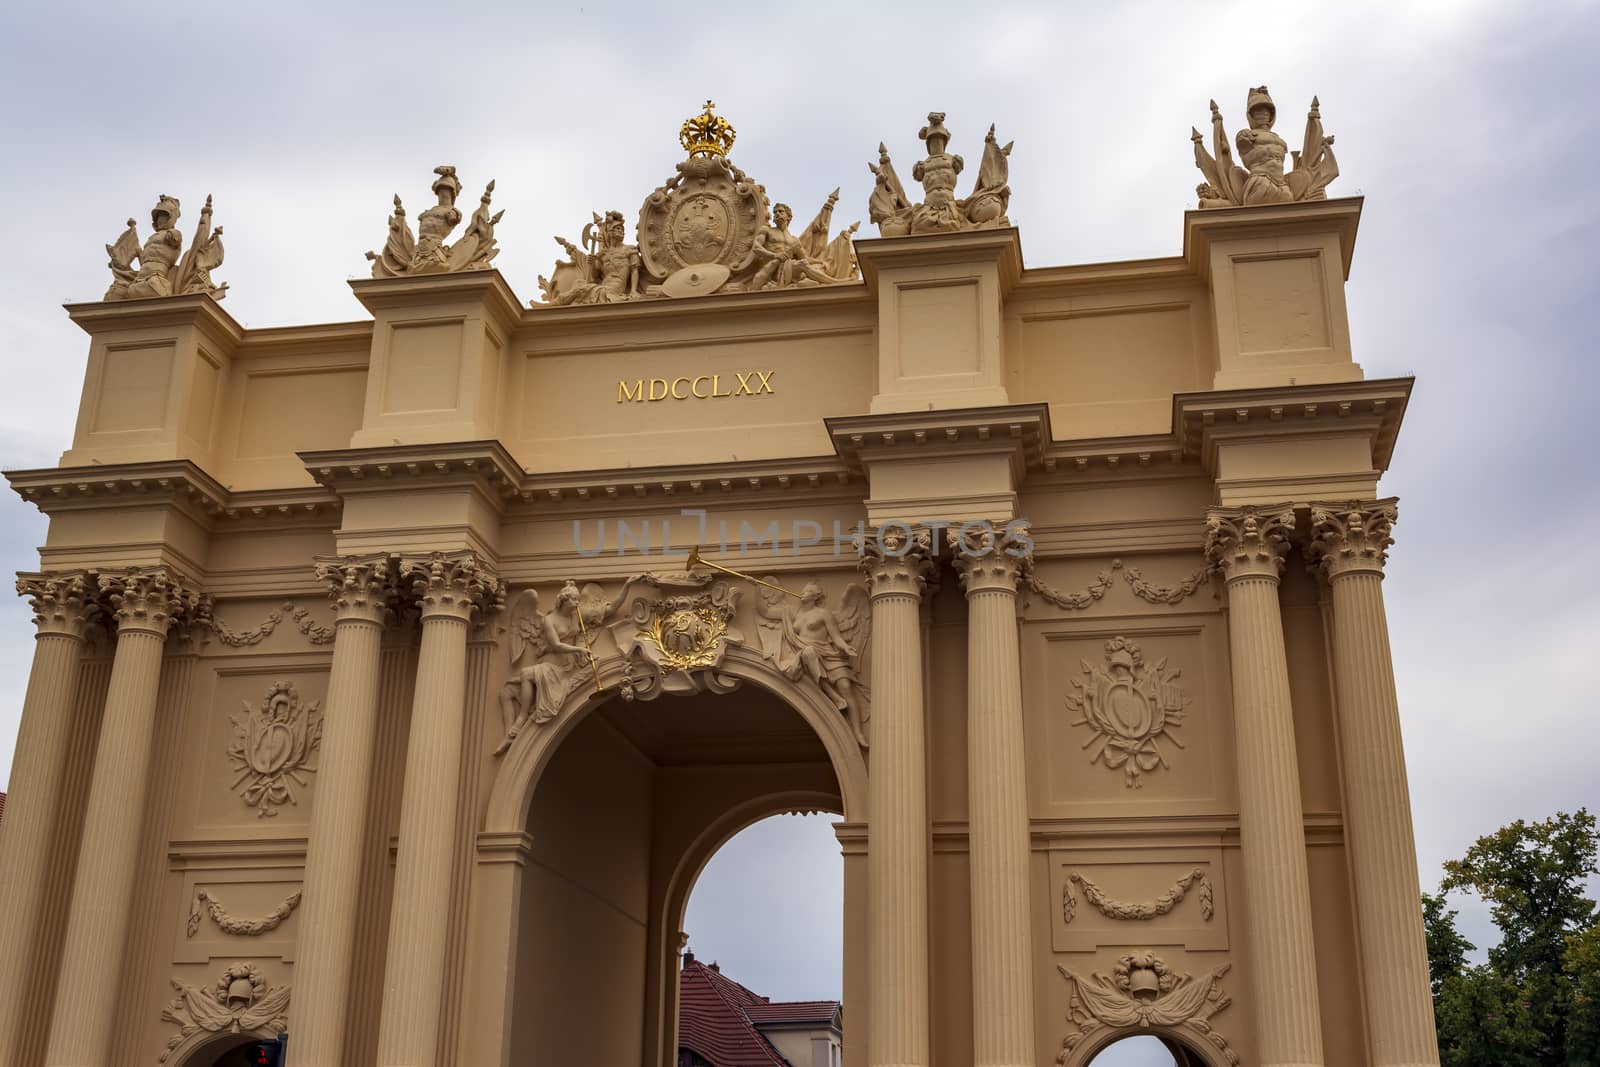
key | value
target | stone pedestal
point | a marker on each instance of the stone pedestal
(61, 606)
(144, 602)
(1349, 544)
(1248, 544)
(897, 840)
(997, 808)
(450, 589)
(361, 588)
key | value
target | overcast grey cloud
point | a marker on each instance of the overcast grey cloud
(1468, 127)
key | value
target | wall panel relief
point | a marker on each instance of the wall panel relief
(1144, 992)
(241, 1001)
(1124, 897)
(1132, 708)
(274, 748)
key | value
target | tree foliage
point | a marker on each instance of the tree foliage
(1536, 1002)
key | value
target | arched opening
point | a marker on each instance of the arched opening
(1147, 1050)
(764, 970)
(221, 1050)
(629, 804)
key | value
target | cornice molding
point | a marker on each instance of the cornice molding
(180, 484)
(487, 286)
(1003, 246)
(164, 312)
(1020, 431)
(1202, 227)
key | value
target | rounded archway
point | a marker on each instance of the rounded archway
(627, 802)
(1155, 1047)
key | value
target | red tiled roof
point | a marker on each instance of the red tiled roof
(718, 1018)
(793, 1011)
(714, 1021)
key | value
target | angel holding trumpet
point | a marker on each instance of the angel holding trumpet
(549, 651)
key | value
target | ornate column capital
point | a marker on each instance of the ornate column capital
(454, 584)
(992, 560)
(63, 602)
(361, 588)
(1249, 541)
(897, 560)
(151, 599)
(1351, 537)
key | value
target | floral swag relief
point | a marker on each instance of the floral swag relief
(1118, 909)
(1131, 708)
(1142, 992)
(241, 1002)
(205, 903)
(272, 748)
(707, 229)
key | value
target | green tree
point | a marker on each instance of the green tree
(1537, 1000)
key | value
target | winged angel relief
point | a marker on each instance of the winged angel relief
(550, 652)
(811, 640)
(1130, 707)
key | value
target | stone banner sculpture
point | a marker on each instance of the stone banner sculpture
(940, 211)
(161, 272)
(707, 229)
(1262, 179)
(426, 252)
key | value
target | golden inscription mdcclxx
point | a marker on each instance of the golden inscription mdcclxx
(698, 387)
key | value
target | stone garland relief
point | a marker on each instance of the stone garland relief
(205, 903)
(1131, 708)
(241, 1001)
(707, 229)
(1262, 179)
(1117, 909)
(1143, 991)
(406, 255)
(315, 632)
(1142, 588)
(272, 747)
(161, 271)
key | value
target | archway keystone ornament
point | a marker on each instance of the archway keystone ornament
(1143, 994)
(1131, 708)
(241, 1002)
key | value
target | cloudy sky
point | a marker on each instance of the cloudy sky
(1469, 127)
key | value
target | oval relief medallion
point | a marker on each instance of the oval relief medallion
(700, 229)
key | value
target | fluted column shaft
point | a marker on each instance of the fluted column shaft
(61, 606)
(997, 809)
(450, 589)
(91, 983)
(361, 588)
(1349, 545)
(897, 835)
(1249, 545)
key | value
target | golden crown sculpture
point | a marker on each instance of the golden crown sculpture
(706, 134)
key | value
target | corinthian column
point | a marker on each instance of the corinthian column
(1248, 544)
(361, 588)
(144, 603)
(897, 570)
(450, 589)
(61, 606)
(1349, 545)
(997, 805)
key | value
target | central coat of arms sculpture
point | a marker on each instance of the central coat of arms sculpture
(706, 229)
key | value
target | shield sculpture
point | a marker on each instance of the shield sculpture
(709, 212)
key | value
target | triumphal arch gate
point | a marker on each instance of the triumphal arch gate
(396, 678)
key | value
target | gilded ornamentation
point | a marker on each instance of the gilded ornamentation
(680, 633)
(1164, 594)
(707, 229)
(1353, 536)
(161, 271)
(1262, 179)
(242, 1001)
(1130, 707)
(940, 212)
(707, 134)
(810, 640)
(427, 252)
(206, 904)
(272, 748)
(1119, 909)
(1143, 991)
(551, 653)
